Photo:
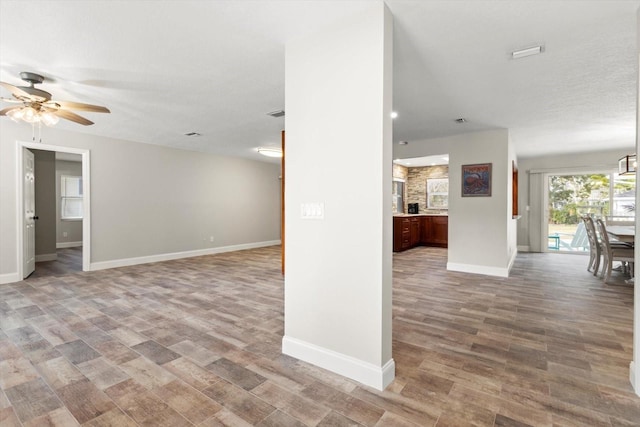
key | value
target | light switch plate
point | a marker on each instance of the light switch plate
(312, 210)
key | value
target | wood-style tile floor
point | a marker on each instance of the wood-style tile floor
(197, 342)
(69, 261)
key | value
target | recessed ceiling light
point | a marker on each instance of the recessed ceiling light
(461, 120)
(192, 134)
(535, 50)
(394, 114)
(403, 142)
(277, 113)
(270, 152)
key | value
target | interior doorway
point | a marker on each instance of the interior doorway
(22, 220)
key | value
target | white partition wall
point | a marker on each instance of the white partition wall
(634, 373)
(338, 240)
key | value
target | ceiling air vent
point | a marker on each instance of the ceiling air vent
(277, 113)
(192, 134)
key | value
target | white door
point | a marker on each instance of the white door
(29, 214)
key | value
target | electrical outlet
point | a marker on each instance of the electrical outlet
(65, 234)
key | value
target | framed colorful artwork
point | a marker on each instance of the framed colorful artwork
(476, 180)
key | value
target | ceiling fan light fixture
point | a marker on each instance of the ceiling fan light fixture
(49, 119)
(37, 106)
(15, 115)
(30, 115)
(270, 152)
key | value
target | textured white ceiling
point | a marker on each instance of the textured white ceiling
(166, 68)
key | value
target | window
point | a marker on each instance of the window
(398, 196)
(71, 197)
(606, 195)
(438, 193)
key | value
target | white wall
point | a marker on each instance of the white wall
(532, 186)
(149, 200)
(338, 277)
(482, 233)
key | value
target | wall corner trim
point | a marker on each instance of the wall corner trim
(512, 261)
(125, 262)
(9, 278)
(479, 269)
(378, 377)
(634, 377)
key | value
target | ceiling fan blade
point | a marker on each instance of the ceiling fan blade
(12, 100)
(82, 107)
(72, 116)
(16, 91)
(6, 110)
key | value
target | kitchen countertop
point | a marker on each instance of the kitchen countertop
(421, 214)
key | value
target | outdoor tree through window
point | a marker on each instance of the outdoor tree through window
(603, 195)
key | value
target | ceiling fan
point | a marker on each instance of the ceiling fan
(36, 105)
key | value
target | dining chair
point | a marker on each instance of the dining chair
(594, 245)
(612, 253)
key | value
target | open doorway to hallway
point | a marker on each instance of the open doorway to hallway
(63, 214)
(59, 213)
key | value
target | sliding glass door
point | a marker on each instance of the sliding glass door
(605, 195)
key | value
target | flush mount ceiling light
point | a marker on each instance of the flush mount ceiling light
(270, 152)
(535, 50)
(277, 113)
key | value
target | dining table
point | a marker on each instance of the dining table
(623, 233)
(626, 234)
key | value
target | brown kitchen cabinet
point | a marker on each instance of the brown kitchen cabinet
(412, 231)
(415, 237)
(436, 231)
(401, 233)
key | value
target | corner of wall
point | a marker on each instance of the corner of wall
(9, 278)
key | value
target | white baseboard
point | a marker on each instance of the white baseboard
(523, 248)
(378, 377)
(9, 278)
(478, 269)
(46, 257)
(634, 377)
(125, 262)
(61, 245)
